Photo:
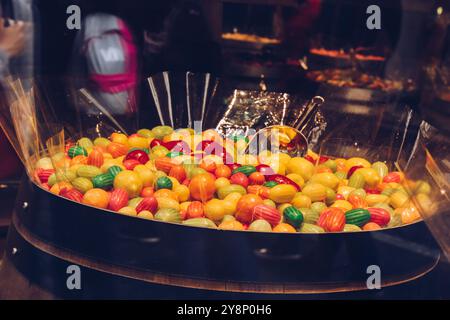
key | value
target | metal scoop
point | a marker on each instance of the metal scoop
(283, 138)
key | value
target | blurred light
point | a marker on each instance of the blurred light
(439, 10)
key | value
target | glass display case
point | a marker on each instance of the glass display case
(225, 148)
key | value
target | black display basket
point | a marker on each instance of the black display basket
(117, 253)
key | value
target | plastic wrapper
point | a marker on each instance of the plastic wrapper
(248, 111)
(427, 170)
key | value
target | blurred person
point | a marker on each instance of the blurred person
(105, 63)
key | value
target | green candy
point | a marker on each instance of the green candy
(356, 181)
(82, 184)
(200, 222)
(351, 228)
(174, 154)
(76, 151)
(293, 216)
(134, 202)
(168, 215)
(358, 217)
(260, 225)
(331, 164)
(310, 228)
(103, 180)
(331, 196)
(164, 183)
(341, 175)
(309, 215)
(114, 170)
(318, 206)
(247, 170)
(86, 143)
(270, 184)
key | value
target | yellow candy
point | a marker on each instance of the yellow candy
(284, 158)
(300, 166)
(282, 193)
(269, 203)
(233, 196)
(138, 142)
(424, 202)
(398, 199)
(145, 214)
(214, 210)
(128, 211)
(229, 206)
(301, 201)
(165, 202)
(146, 133)
(409, 214)
(147, 176)
(185, 205)
(298, 179)
(119, 138)
(129, 181)
(373, 199)
(344, 204)
(370, 175)
(345, 191)
(102, 142)
(182, 191)
(315, 191)
(175, 182)
(352, 162)
(231, 225)
(221, 182)
(327, 179)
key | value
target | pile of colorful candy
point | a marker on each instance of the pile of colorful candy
(206, 181)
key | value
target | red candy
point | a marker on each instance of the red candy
(72, 194)
(130, 164)
(380, 216)
(240, 179)
(280, 179)
(140, 155)
(353, 169)
(149, 204)
(156, 142)
(118, 199)
(265, 169)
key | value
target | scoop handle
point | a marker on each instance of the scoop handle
(310, 111)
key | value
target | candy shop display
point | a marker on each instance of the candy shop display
(203, 180)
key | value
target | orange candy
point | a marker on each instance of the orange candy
(80, 159)
(259, 190)
(165, 193)
(245, 205)
(164, 164)
(208, 165)
(195, 210)
(202, 187)
(147, 192)
(178, 173)
(96, 197)
(57, 187)
(231, 225)
(117, 149)
(95, 158)
(371, 226)
(257, 178)
(284, 227)
(222, 171)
